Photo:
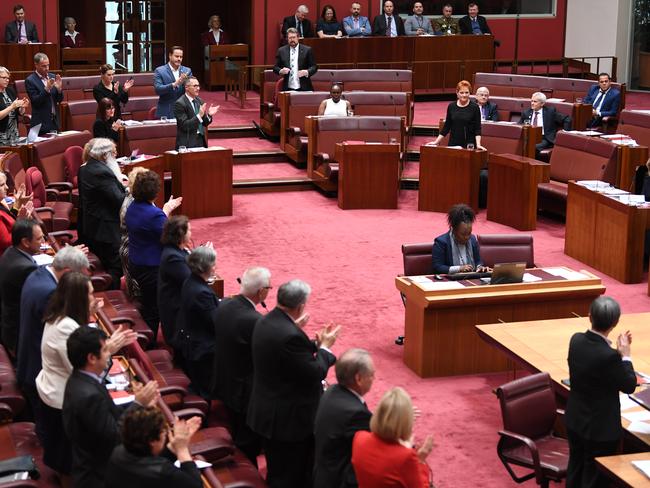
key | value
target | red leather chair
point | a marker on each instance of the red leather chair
(152, 114)
(507, 248)
(417, 258)
(72, 158)
(54, 214)
(527, 439)
(12, 165)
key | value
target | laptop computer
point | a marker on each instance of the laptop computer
(503, 273)
(32, 135)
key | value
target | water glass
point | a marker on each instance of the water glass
(182, 149)
(470, 146)
(526, 121)
(163, 118)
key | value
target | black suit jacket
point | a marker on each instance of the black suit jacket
(100, 199)
(552, 120)
(11, 32)
(466, 25)
(288, 370)
(597, 375)
(379, 25)
(305, 61)
(290, 21)
(233, 359)
(340, 415)
(491, 112)
(196, 318)
(172, 273)
(90, 420)
(11, 94)
(15, 267)
(42, 103)
(187, 124)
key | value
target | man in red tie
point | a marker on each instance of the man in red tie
(549, 119)
(20, 31)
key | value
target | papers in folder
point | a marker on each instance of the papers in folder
(427, 284)
(567, 274)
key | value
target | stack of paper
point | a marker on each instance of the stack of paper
(643, 466)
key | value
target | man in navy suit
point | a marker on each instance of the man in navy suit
(598, 372)
(473, 23)
(20, 31)
(169, 82)
(296, 63)
(604, 99)
(45, 92)
(298, 21)
(545, 117)
(356, 25)
(488, 109)
(388, 24)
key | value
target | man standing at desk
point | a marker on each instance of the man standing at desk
(20, 31)
(45, 92)
(193, 116)
(597, 374)
(296, 63)
(168, 81)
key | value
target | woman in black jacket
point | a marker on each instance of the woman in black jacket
(10, 109)
(107, 88)
(106, 125)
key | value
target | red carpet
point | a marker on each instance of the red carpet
(351, 258)
(245, 144)
(266, 170)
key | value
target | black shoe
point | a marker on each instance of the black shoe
(399, 341)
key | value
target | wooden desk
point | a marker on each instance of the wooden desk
(605, 234)
(628, 158)
(512, 189)
(214, 61)
(82, 61)
(368, 175)
(440, 339)
(449, 176)
(204, 179)
(152, 163)
(622, 472)
(25, 151)
(20, 57)
(543, 345)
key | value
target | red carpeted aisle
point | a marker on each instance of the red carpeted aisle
(351, 258)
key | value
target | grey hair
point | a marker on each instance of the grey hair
(539, 96)
(303, 8)
(293, 293)
(483, 88)
(38, 57)
(69, 20)
(4, 70)
(201, 260)
(350, 363)
(72, 258)
(254, 279)
(100, 148)
(604, 313)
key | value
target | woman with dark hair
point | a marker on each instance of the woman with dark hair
(148, 450)
(463, 120)
(107, 88)
(69, 308)
(144, 224)
(106, 125)
(327, 25)
(457, 251)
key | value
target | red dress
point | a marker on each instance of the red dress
(207, 39)
(79, 40)
(6, 224)
(381, 464)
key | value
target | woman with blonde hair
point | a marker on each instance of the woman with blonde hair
(386, 457)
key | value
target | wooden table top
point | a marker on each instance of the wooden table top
(620, 468)
(543, 345)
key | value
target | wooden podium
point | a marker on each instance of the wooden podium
(152, 163)
(449, 176)
(368, 175)
(204, 179)
(512, 189)
(215, 62)
(19, 58)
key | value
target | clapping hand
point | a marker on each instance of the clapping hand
(172, 204)
(285, 71)
(303, 73)
(49, 84)
(117, 124)
(26, 211)
(213, 110)
(116, 86)
(425, 449)
(21, 197)
(326, 337)
(146, 395)
(128, 84)
(179, 437)
(202, 109)
(123, 336)
(58, 82)
(623, 343)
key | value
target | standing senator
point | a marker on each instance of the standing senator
(545, 117)
(193, 116)
(45, 92)
(604, 99)
(598, 373)
(20, 31)
(288, 369)
(168, 81)
(296, 63)
(388, 24)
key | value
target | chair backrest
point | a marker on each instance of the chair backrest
(11, 164)
(577, 157)
(35, 185)
(48, 154)
(502, 138)
(149, 139)
(417, 258)
(152, 114)
(636, 125)
(528, 405)
(72, 158)
(507, 248)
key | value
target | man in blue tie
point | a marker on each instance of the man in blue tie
(168, 81)
(473, 23)
(193, 116)
(388, 24)
(604, 99)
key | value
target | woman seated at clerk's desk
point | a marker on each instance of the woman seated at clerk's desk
(335, 105)
(457, 251)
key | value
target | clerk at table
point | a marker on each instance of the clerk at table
(20, 31)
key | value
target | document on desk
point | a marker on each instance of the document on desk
(567, 274)
(637, 416)
(626, 402)
(529, 278)
(639, 428)
(643, 465)
(199, 464)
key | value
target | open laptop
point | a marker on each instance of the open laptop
(503, 273)
(32, 135)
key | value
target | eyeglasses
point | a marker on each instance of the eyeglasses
(194, 86)
(4, 77)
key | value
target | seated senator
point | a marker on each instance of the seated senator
(335, 105)
(106, 125)
(71, 37)
(327, 25)
(604, 99)
(216, 35)
(457, 251)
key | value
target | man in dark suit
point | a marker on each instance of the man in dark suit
(545, 117)
(100, 198)
(341, 413)
(45, 92)
(298, 21)
(296, 63)
(288, 369)
(90, 417)
(388, 24)
(34, 297)
(597, 374)
(473, 23)
(20, 31)
(193, 116)
(233, 367)
(16, 264)
(488, 109)
(168, 81)
(604, 99)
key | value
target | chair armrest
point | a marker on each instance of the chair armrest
(6, 415)
(60, 185)
(560, 412)
(52, 194)
(532, 447)
(188, 413)
(320, 159)
(123, 320)
(293, 137)
(101, 281)
(62, 236)
(173, 390)
(47, 210)
(266, 111)
(21, 484)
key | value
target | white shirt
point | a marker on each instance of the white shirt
(539, 122)
(73, 35)
(339, 109)
(22, 33)
(601, 100)
(175, 72)
(192, 105)
(294, 80)
(393, 25)
(217, 35)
